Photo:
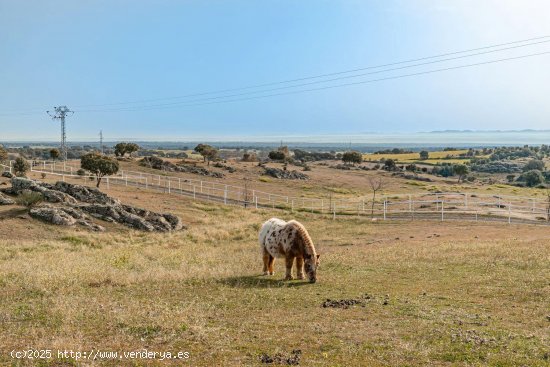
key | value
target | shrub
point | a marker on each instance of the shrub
(20, 167)
(424, 155)
(276, 155)
(532, 178)
(81, 172)
(43, 175)
(29, 198)
(534, 164)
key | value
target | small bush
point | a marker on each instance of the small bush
(43, 175)
(81, 172)
(29, 198)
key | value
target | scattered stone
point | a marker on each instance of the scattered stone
(4, 200)
(287, 175)
(341, 166)
(160, 164)
(292, 360)
(225, 167)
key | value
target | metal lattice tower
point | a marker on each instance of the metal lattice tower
(101, 140)
(59, 113)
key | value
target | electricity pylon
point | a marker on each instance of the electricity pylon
(59, 113)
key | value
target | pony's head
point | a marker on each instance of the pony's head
(311, 263)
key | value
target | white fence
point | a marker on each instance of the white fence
(440, 205)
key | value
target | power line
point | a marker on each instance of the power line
(331, 86)
(188, 102)
(318, 81)
(318, 76)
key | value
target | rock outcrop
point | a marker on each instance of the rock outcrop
(4, 200)
(160, 164)
(64, 217)
(287, 175)
(20, 184)
(78, 204)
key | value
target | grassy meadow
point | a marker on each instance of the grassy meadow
(428, 293)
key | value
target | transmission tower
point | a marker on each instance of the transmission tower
(101, 140)
(59, 113)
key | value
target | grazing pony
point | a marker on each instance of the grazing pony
(289, 240)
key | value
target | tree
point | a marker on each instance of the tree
(352, 157)
(532, 178)
(461, 170)
(424, 155)
(54, 154)
(131, 148)
(534, 164)
(208, 152)
(99, 165)
(3, 154)
(122, 148)
(389, 165)
(376, 184)
(20, 166)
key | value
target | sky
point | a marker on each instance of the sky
(97, 56)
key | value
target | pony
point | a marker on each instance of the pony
(289, 240)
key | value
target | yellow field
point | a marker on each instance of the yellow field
(434, 157)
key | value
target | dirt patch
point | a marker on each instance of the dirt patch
(289, 360)
(347, 303)
(342, 303)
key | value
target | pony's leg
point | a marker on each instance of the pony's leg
(289, 261)
(266, 257)
(270, 265)
(300, 267)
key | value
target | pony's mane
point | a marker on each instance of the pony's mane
(302, 232)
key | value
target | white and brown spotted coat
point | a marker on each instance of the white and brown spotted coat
(289, 240)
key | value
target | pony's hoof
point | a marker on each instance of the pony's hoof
(265, 273)
(289, 277)
(272, 273)
(301, 277)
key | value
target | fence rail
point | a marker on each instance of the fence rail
(441, 205)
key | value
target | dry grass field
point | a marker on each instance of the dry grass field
(325, 181)
(428, 293)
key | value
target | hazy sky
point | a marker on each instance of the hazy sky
(85, 52)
